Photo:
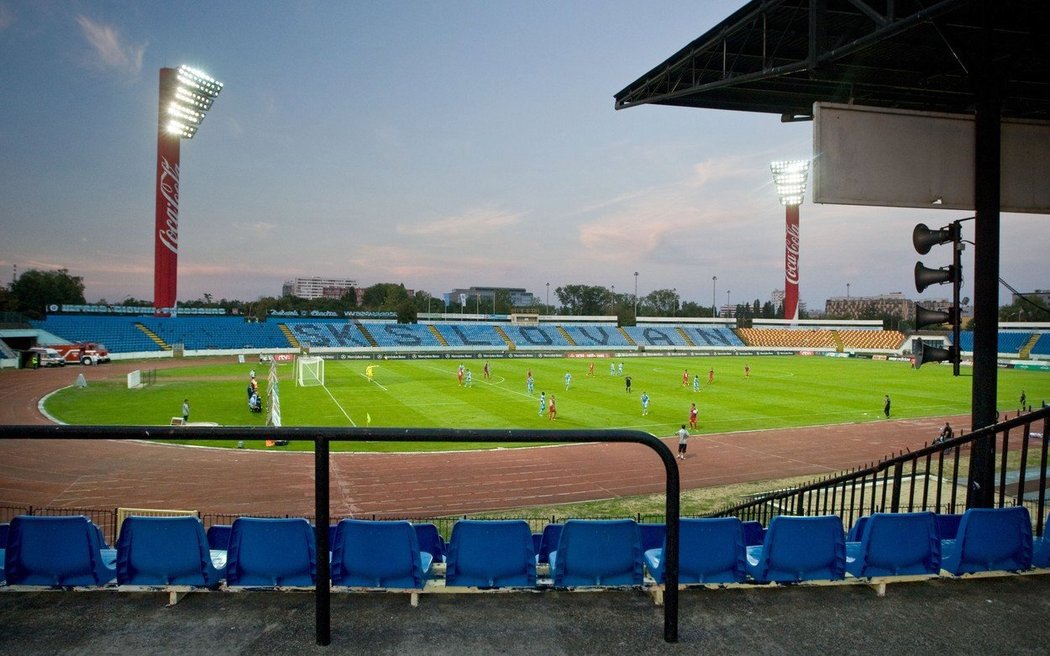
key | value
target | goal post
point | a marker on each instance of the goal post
(309, 371)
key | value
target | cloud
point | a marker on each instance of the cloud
(471, 224)
(671, 220)
(260, 229)
(7, 16)
(109, 51)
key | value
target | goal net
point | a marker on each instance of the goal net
(309, 372)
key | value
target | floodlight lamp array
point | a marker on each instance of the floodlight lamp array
(192, 98)
(789, 177)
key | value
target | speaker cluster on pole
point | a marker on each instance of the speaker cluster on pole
(924, 239)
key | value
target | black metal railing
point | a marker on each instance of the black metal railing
(932, 478)
(322, 437)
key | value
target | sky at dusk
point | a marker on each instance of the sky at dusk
(436, 144)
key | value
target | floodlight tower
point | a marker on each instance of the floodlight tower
(186, 95)
(789, 177)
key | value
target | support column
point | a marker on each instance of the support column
(981, 492)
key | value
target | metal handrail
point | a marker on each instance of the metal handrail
(891, 472)
(322, 437)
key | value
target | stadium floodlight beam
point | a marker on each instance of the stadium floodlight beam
(789, 177)
(186, 95)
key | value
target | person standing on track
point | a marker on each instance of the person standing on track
(683, 442)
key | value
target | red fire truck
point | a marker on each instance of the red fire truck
(86, 353)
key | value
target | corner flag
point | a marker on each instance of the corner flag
(368, 419)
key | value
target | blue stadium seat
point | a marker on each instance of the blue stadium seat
(401, 335)
(3, 534)
(652, 535)
(895, 544)
(990, 539)
(947, 526)
(1041, 549)
(271, 552)
(598, 552)
(857, 530)
(55, 551)
(754, 533)
(328, 333)
(548, 542)
(491, 554)
(535, 336)
(219, 536)
(799, 549)
(595, 335)
(719, 336)
(165, 551)
(656, 335)
(430, 541)
(710, 551)
(467, 334)
(1042, 345)
(379, 554)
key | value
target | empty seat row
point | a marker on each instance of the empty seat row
(796, 549)
(268, 553)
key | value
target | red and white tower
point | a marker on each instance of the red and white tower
(790, 181)
(186, 95)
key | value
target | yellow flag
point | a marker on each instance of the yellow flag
(368, 419)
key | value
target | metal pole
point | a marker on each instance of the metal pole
(322, 591)
(957, 247)
(636, 296)
(986, 267)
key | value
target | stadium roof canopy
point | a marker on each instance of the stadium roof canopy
(781, 56)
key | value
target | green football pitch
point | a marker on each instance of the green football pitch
(780, 392)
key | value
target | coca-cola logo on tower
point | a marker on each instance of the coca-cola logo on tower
(791, 272)
(169, 189)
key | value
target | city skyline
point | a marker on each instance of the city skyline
(440, 147)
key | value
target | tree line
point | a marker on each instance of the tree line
(34, 291)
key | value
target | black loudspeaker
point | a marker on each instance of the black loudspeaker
(924, 317)
(925, 276)
(925, 353)
(924, 239)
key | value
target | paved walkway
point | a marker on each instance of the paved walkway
(972, 616)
